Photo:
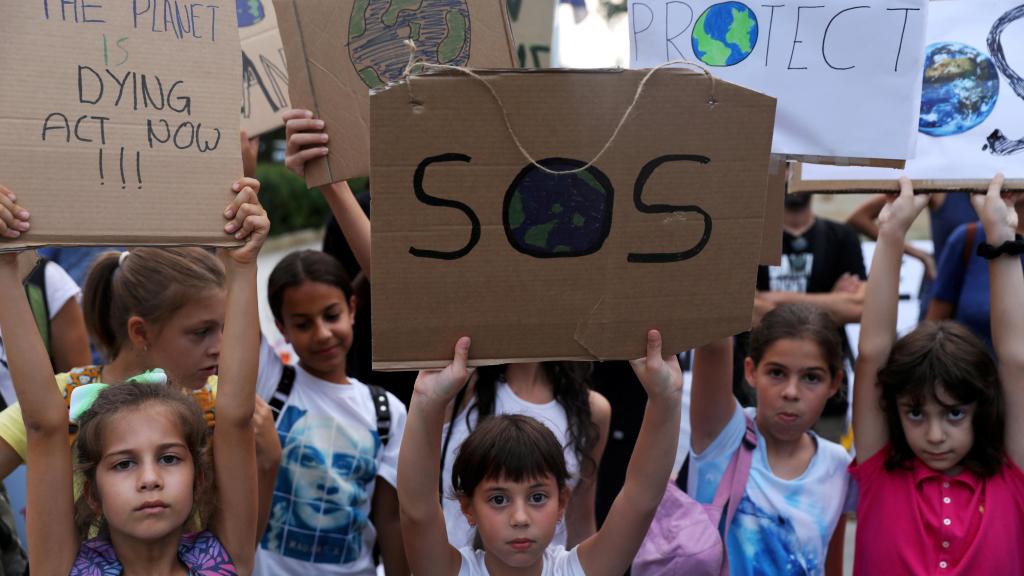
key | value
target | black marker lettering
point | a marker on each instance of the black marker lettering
(422, 196)
(81, 85)
(64, 125)
(796, 36)
(824, 38)
(670, 40)
(638, 191)
(906, 14)
(635, 11)
(771, 21)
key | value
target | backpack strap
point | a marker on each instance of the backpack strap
(380, 405)
(730, 491)
(284, 389)
(969, 234)
(35, 290)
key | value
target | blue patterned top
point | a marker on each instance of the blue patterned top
(201, 553)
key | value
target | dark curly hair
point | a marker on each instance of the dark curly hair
(947, 356)
(89, 447)
(571, 391)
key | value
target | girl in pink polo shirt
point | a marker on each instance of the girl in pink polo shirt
(939, 427)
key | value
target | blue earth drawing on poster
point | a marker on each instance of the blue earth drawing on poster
(725, 34)
(960, 89)
(378, 28)
(250, 12)
(558, 215)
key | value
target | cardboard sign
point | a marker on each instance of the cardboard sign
(338, 50)
(533, 24)
(972, 119)
(121, 120)
(774, 206)
(469, 238)
(846, 74)
(264, 72)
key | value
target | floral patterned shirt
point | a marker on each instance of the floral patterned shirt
(201, 553)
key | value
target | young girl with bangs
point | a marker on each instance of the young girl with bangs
(789, 520)
(939, 425)
(511, 481)
(143, 449)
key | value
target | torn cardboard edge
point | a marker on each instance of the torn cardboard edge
(798, 185)
(774, 206)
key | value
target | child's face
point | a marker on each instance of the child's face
(940, 432)
(792, 383)
(145, 477)
(187, 345)
(317, 321)
(516, 520)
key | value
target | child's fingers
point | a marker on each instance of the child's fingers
(653, 346)
(295, 114)
(247, 206)
(297, 162)
(300, 126)
(251, 218)
(996, 185)
(246, 192)
(7, 193)
(906, 186)
(461, 357)
(301, 141)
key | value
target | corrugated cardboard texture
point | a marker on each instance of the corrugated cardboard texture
(329, 52)
(798, 184)
(114, 134)
(774, 205)
(264, 72)
(517, 306)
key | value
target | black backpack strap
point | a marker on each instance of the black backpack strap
(380, 406)
(459, 397)
(35, 291)
(284, 389)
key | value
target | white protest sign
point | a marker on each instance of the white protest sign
(846, 75)
(972, 106)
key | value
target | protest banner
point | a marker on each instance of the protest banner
(339, 50)
(121, 126)
(264, 73)
(972, 105)
(533, 24)
(846, 75)
(663, 230)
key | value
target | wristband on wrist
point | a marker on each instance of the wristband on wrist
(1013, 247)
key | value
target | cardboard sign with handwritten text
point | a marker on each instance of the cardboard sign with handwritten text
(469, 238)
(339, 50)
(533, 25)
(120, 121)
(264, 72)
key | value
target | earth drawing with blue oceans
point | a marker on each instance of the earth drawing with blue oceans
(960, 89)
(249, 12)
(725, 34)
(377, 31)
(556, 216)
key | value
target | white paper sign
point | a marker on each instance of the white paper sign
(846, 74)
(972, 119)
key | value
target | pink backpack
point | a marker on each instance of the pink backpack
(683, 537)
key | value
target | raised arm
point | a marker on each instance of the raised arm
(711, 401)
(234, 453)
(53, 540)
(308, 141)
(864, 219)
(1006, 279)
(878, 322)
(611, 550)
(423, 529)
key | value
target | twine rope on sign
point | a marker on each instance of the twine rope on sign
(415, 61)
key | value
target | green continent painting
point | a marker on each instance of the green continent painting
(378, 28)
(725, 34)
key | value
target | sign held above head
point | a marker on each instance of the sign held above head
(846, 75)
(644, 209)
(339, 50)
(264, 72)
(122, 128)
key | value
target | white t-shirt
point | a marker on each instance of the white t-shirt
(60, 288)
(331, 456)
(781, 526)
(550, 414)
(557, 562)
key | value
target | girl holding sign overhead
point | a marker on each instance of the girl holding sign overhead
(940, 424)
(143, 449)
(556, 393)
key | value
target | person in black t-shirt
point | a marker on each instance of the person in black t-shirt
(822, 264)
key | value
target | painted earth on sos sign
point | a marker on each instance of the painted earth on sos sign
(960, 89)
(725, 34)
(549, 215)
(378, 28)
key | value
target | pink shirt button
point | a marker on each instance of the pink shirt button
(947, 521)
(946, 500)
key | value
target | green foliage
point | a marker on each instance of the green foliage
(613, 7)
(290, 205)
